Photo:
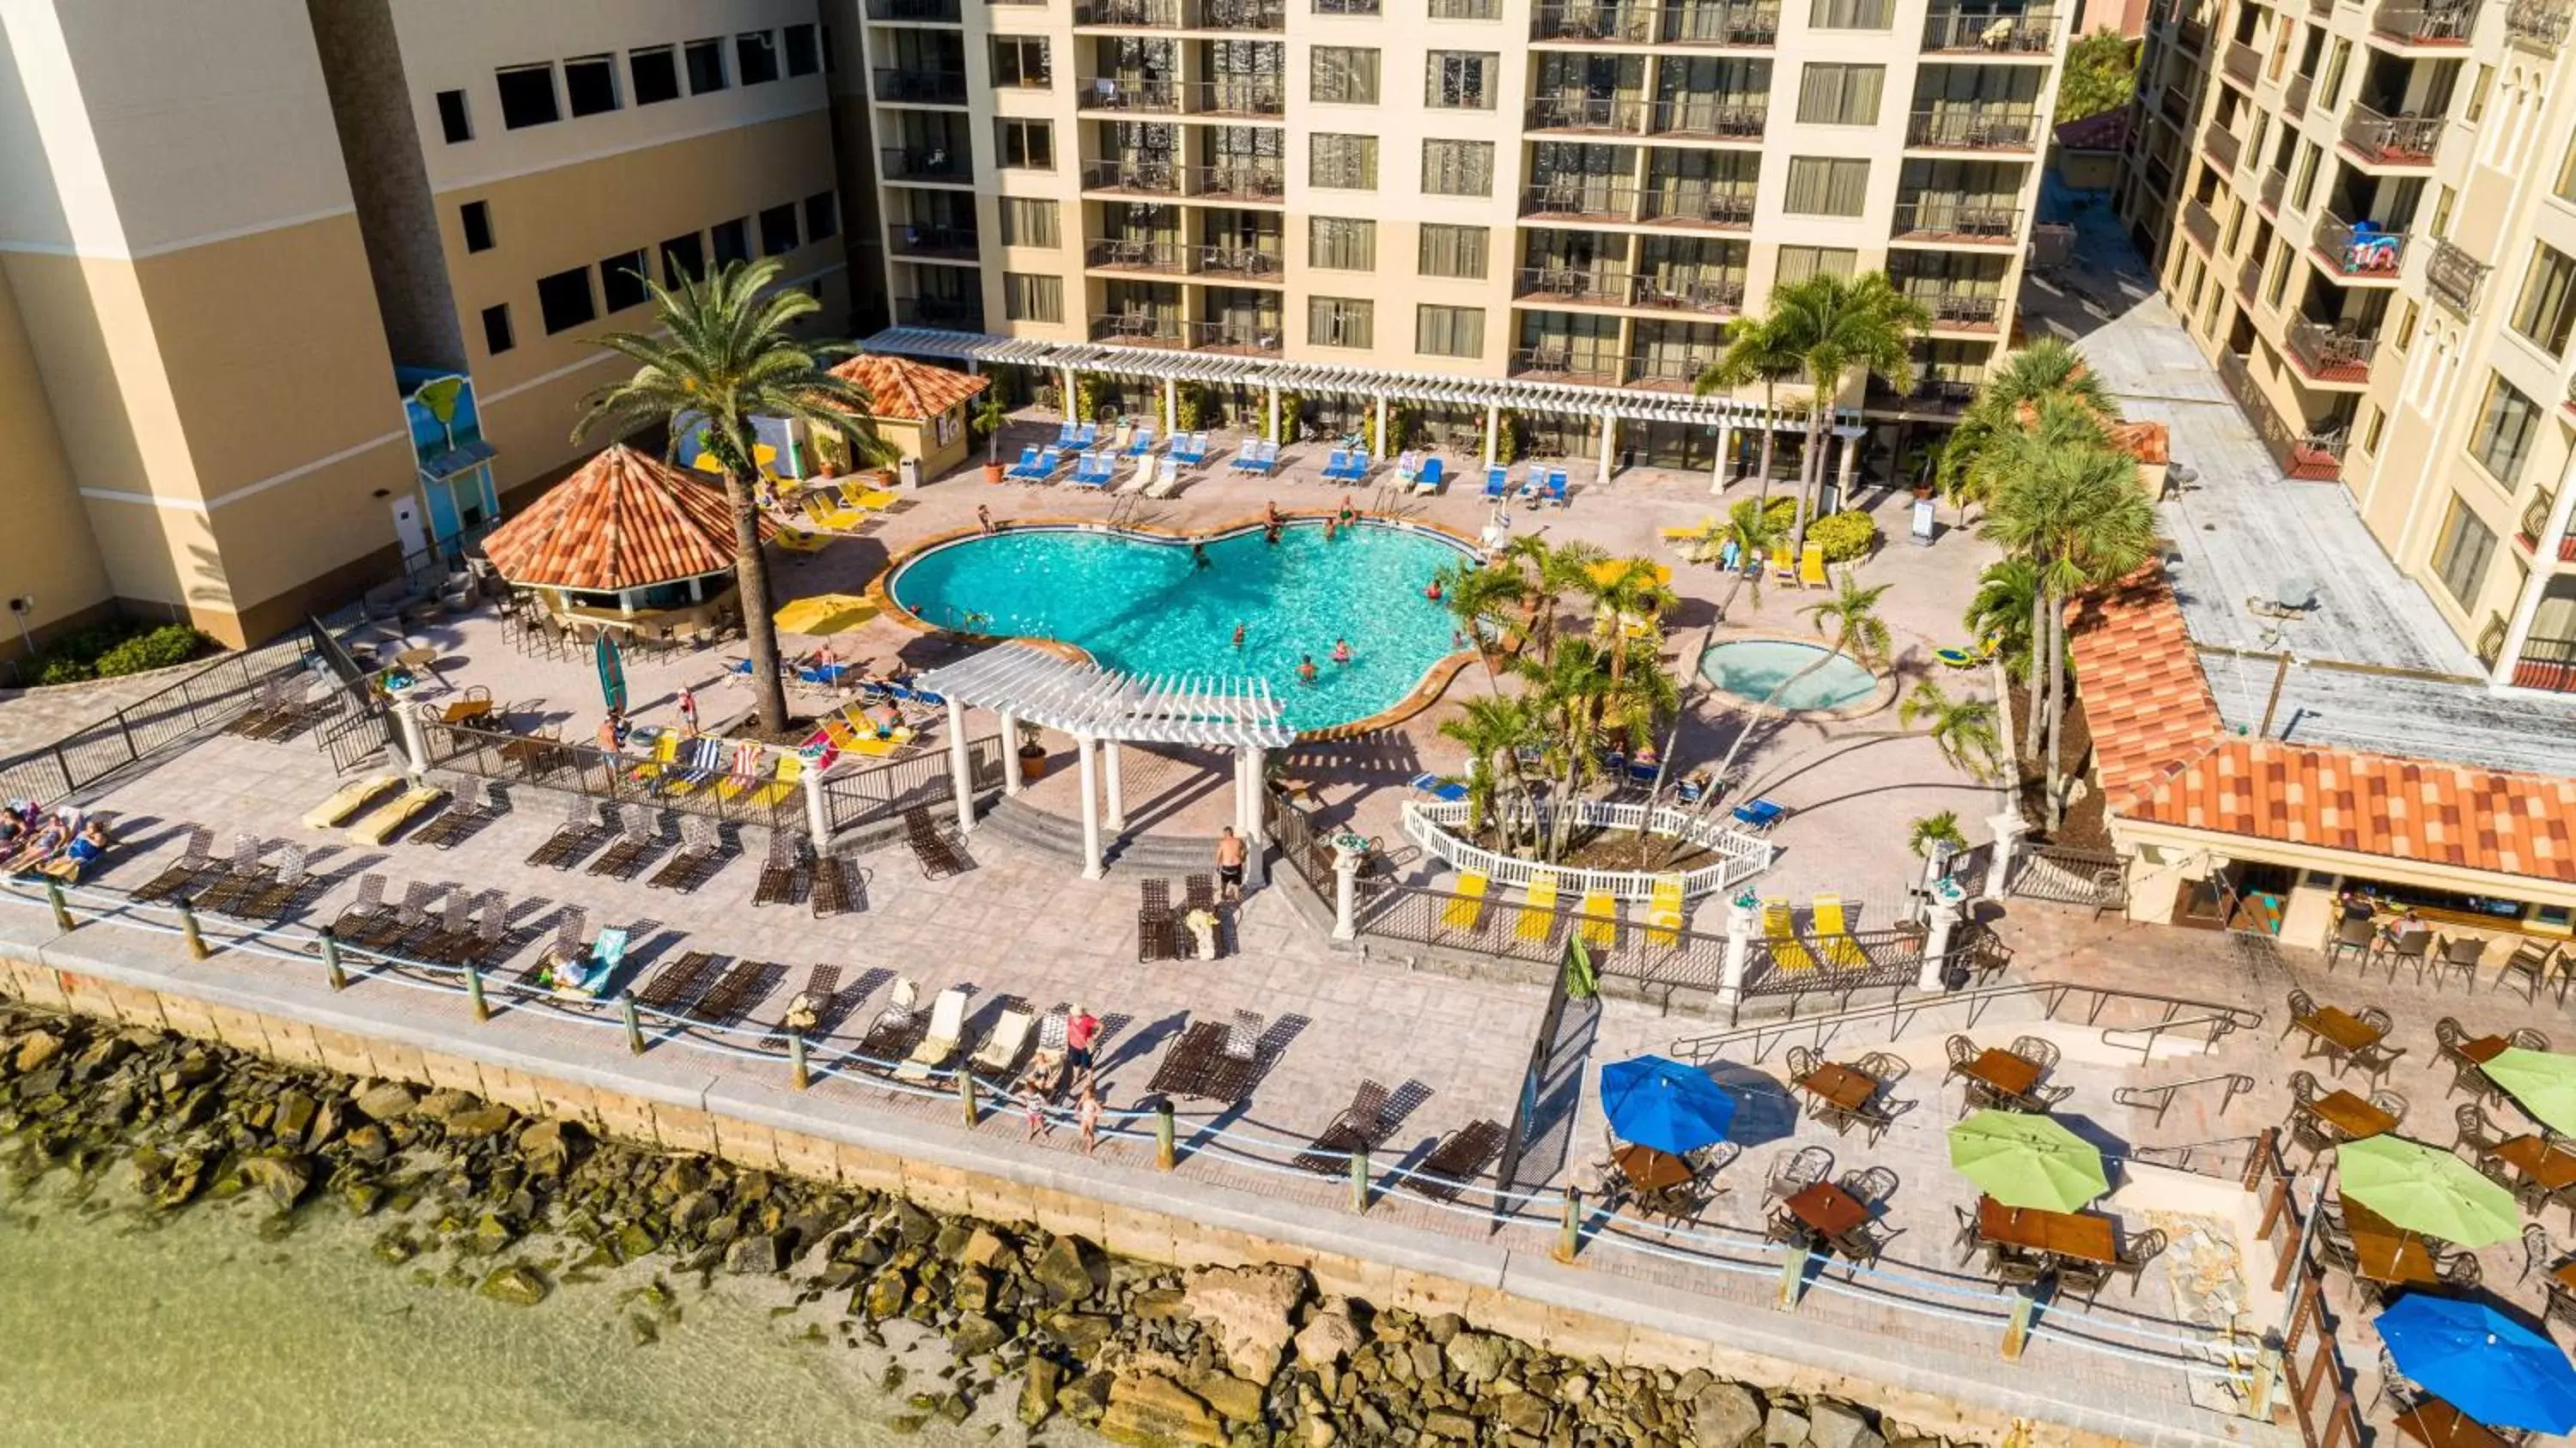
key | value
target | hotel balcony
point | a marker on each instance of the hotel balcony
(1725, 208)
(1573, 286)
(1584, 200)
(2191, 37)
(1966, 30)
(2424, 22)
(1923, 391)
(2175, 107)
(2305, 453)
(2546, 664)
(2221, 146)
(955, 314)
(1711, 294)
(1255, 337)
(1123, 95)
(1128, 14)
(1132, 178)
(1239, 181)
(2249, 280)
(2315, 457)
(1741, 24)
(2201, 226)
(935, 12)
(921, 87)
(1564, 364)
(1959, 311)
(1267, 15)
(2294, 94)
(1262, 15)
(1624, 115)
(2535, 523)
(940, 164)
(1140, 329)
(1666, 373)
(1728, 117)
(2539, 25)
(1627, 24)
(1247, 96)
(937, 241)
(2367, 254)
(2242, 63)
(2276, 184)
(2391, 141)
(1164, 257)
(2329, 357)
(1240, 263)
(2454, 277)
(1974, 127)
(1952, 220)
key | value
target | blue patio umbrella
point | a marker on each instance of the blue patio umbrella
(1664, 1104)
(2490, 1367)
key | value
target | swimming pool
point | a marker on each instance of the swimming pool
(1138, 604)
(1751, 668)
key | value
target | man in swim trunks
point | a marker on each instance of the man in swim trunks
(1229, 863)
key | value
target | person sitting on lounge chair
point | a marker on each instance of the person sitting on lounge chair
(40, 844)
(79, 855)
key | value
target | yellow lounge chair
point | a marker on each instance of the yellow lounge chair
(379, 827)
(782, 784)
(343, 807)
(1689, 532)
(1784, 564)
(1664, 911)
(666, 752)
(829, 515)
(869, 744)
(1538, 908)
(1598, 919)
(799, 540)
(1811, 567)
(1841, 951)
(1462, 912)
(748, 772)
(873, 498)
(1780, 932)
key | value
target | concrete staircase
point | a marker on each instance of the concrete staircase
(1013, 818)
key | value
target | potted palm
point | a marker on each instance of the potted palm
(1033, 753)
(987, 419)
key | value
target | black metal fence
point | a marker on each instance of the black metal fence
(208, 698)
(1621, 949)
(1299, 844)
(863, 799)
(752, 798)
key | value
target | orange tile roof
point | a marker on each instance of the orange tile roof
(2163, 755)
(624, 520)
(2148, 442)
(907, 391)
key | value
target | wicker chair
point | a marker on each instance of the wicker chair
(1970, 1237)
(2450, 1042)
(2528, 1039)
(2458, 1269)
(2302, 1006)
(2478, 1136)
(2538, 1252)
(2353, 936)
(1871, 1186)
(2040, 1053)
(1802, 1064)
(2413, 945)
(1803, 1169)
(1961, 1051)
(2462, 955)
(2531, 961)
(2136, 1253)
(1884, 1068)
(2390, 1102)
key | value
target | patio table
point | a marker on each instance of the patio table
(2541, 1165)
(1649, 1170)
(466, 711)
(2436, 1424)
(1826, 1211)
(2387, 1254)
(2485, 1048)
(2351, 1115)
(2007, 1075)
(2077, 1235)
(2339, 1031)
(1838, 1087)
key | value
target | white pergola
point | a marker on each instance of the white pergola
(1102, 709)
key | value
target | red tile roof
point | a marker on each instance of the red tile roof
(907, 391)
(2163, 756)
(2105, 132)
(624, 520)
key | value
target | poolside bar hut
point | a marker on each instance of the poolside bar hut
(919, 409)
(627, 542)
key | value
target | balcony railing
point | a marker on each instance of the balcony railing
(2243, 63)
(1239, 181)
(1135, 256)
(925, 163)
(1573, 284)
(2425, 22)
(1634, 24)
(2249, 279)
(1682, 292)
(941, 12)
(1722, 22)
(1925, 391)
(2454, 277)
(2391, 140)
(2175, 106)
(1729, 208)
(1237, 15)
(1975, 128)
(2221, 146)
(2358, 251)
(2546, 664)
(1596, 201)
(1241, 95)
(2294, 95)
(922, 87)
(2538, 24)
(1129, 14)
(1957, 220)
(1139, 329)
(956, 243)
(956, 314)
(2325, 355)
(1713, 117)
(1588, 113)
(2535, 528)
(1152, 178)
(2192, 36)
(1666, 372)
(2276, 184)
(1958, 310)
(2315, 457)
(2202, 226)
(1258, 338)
(1950, 30)
(1240, 263)
(1122, 94)
(1563, 364)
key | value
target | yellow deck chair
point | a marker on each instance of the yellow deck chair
(1811, 567)
(1689, 532)
(1463, 911)
(872, 498)
(1538, 907)
(828, 513)
(1784, 564)
(747, 774)
(869, 744)
(1780, 932)
(666, 752)
(379, 827)
(343, 807)
(1664, 911)
(1598, 919)
(1841, 951)
(782, 785)
(798, 540)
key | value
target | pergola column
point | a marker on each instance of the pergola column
(1065, 376)
(1717, 479)
(1171, 406)
(1493, 429)
(1083, 746)
(1117, 813)
(1609, 444)
(1274, 414)
(1247, 795)
(961, 774)
(1384, 443)
(1012, 781)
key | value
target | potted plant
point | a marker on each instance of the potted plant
(987, 419)
(1033, 753)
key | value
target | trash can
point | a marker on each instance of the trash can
(908, 472)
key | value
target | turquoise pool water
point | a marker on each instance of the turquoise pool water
(1752, 668)
(1139, 605)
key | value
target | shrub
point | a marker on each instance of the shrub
(1844, 536)
(107, 650)
(169, 644)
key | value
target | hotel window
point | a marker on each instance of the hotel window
(2505, 429)
(564, 300)
(1337, 243)
(1021, 60)
(527, 96)
(1344, 75)
(1834, 94)
(733, 240)
(1461, 80)
(706, 66)
(683, 259)
(621, 281)
(804, 57)
(1826, 186)
(654, 72)
(1030, 298)
(590, 84)
(452, 120)
(1343, 163)
(2443, 200)
(2408, 315)
(778, 229)
(1851, 14)
(1454, 251)
(1338, 321)
(1458, 168)
(2279, 269)
(1026, 145)
(1029, 221)
(2566, 187)
(1466, 9)
(1346, 7)
(1449, 331)
(755, 54)
(2460, 559)
(2378, 426)
(1797, 263)
(2309, 152)
(822, 216)
(477, 216)
(497, 338)
(2548, 305)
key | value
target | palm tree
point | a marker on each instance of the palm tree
(2005, 606)
(1974, 470)
(1962, 729)
(728, 358)
(1753, 354)
(1838, 327)
(1936, 829)
(1548, 572)
(1631, 588)
(1755, 531)
(2046, 370)
(1484, 600)
(1489, 726)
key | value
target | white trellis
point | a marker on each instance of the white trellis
(1739, 856)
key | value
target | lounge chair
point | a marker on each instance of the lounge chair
(625, 857)
(1548, 486)
(747, 773)
(1448, 791)
(1066, 435)
(1842, 952)
(735, 992)
(1784, 563)
(1498, 482)
(1087, 435)
(1095, 470)
(1780, 932)
(380, 826)
(1001, 1050)
(824, 507)
(1759, 815)
(930, 847)
(1046, 1066)
(1167, 479)
(1143, 442)
(1337, 464)
(799, 540)
(1458, 1160)
(1036, 465)
(368, 909)
(1811, 567)
(1966, 658)
(587, 976)
(1264, 458)
(1538, 907)
(1430, 477)
(1247, 459)
(782, 875)
(352, 798)
(782, 785)
(195, 863)
(1358, 1128)
(1597, 920)
(938, 1045)
(575, 837)
(701, 852)
(700, 761)
(675, 987)
(1664, 911)
(1467, 909)
(833, 886)
(1190, 448)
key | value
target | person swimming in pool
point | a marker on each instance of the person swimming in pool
(1433, 591)
(1198, 555)
(1238, 636)
(1305, 668)
(1341, 651)
(1331, 526)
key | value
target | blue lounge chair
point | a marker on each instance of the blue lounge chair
(1144, 442)
(1350, 466)
(1036, 465)
(1448, 790)
(1257, 457)
(1096, 470)
(1552, 487)
(1026, 466)
(1087, 435)
(1190, 448)
(1429, 478)
(1759, 815)
(1498, 482)
(1337, 465)
(1066, 433)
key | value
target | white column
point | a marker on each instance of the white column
(1171, 407)
(1385, 445)
(2517, 630)
(818, 822)
(1346, 890)
(1248, 795)
(1609, 444)
(1493, 429)
(961, 774)
(1850, 471)
(1082, 746)
(1739, 951)
(1944, 919)
(1012, 780)
(415, 740)
(1065, 376)
(2009, 828)
(1717, 479)
(1274, 416)
(1117, 812)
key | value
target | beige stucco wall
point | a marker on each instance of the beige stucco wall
(46, 550)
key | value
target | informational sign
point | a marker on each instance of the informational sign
(1924, 526)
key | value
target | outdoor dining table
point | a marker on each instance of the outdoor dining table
(1826, 1211)
(2485, 1048)
(1838, 1088)
(465, 711)
(2076, 1235)
(2541, 1165)
(2339, 1031)
(2387, 1254)
(2437, 1424)
(2349, 1114)
(2004, 1073)
(1649, 1170)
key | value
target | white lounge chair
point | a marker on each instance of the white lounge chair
(939, 1046)
(1167, 480)
(1001, 1050)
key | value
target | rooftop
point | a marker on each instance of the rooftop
(624, 520)
(903, 390)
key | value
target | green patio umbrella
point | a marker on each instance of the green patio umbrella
(2027, 1161)
(2544, 1082)
(2421, 1189)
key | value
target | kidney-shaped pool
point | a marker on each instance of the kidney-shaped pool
(1146, 605)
